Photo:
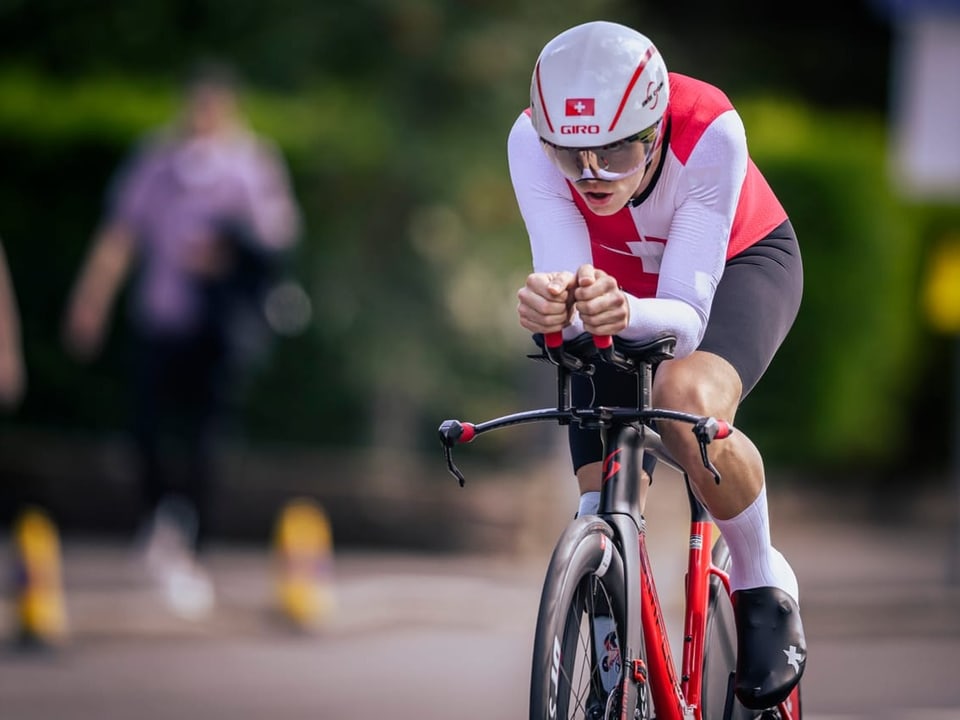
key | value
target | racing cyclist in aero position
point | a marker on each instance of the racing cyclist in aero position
(647, 217)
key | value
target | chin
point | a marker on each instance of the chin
(612, 210)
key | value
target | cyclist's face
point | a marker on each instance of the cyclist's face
(607, 176)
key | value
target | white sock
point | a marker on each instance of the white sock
(754, 562)
(589, 503)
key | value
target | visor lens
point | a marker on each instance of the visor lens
(605, 162)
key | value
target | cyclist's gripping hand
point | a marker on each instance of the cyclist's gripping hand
(546, 301)
(602, 305)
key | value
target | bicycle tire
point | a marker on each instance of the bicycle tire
(720, 654)
(584, 578)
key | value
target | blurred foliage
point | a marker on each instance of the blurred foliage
(393, 116)
(836, 391)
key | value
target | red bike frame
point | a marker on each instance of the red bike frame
(681, 698)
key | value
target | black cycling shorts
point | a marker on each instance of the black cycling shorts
(753, 309)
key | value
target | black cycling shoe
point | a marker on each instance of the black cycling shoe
(771, 649)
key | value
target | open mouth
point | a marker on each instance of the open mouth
(597, 193)
(594, 190)
(597, 198)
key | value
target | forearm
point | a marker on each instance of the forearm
(12, 374)
(9, 315)
(104, 271)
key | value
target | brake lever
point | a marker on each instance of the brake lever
(708, 464)
(451, 467)
(706, 430)
(452, 432)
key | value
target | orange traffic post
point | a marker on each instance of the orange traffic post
(41, 617)
(304, 551)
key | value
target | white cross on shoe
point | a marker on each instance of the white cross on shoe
(793, 657)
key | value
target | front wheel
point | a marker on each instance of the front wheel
(720, 657)
(577, 663)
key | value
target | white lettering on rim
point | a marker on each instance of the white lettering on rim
(554, 677)
(604, 565)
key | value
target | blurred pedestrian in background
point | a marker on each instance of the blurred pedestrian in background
(36, 593)
(200, 215)
(12, 374)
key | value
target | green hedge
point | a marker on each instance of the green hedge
(840, 391)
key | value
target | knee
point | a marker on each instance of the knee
(701, 384)
(680, 390)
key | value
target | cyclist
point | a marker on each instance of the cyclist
(647, 217)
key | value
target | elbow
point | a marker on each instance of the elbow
(687, 342)
(690, 331)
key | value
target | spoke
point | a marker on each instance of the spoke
(582, 690)
(582, 674)
(579, 689)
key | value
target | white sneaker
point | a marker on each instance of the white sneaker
(188, 590)
(170, 560)
(169, 535)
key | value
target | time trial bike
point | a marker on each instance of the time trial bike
(601, 649)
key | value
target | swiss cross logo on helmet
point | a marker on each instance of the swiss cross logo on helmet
(579, 107)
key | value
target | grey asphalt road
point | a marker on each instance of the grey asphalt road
(417, 637)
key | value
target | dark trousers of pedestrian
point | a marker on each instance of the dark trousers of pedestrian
(179, 407)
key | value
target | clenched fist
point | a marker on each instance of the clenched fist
(546, 301)
(602, 305)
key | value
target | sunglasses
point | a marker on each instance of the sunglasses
(615, 161)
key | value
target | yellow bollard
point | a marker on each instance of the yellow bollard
(304, 547)
(40, 607)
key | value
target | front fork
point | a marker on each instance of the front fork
(622, 499)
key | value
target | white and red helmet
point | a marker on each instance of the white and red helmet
(596, 84)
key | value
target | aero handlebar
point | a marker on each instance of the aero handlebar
(706, 429)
